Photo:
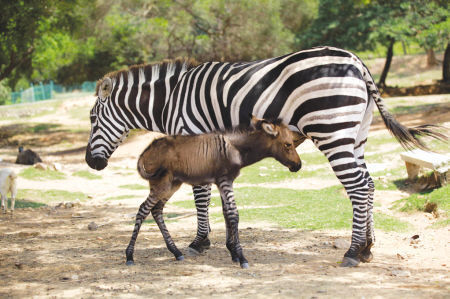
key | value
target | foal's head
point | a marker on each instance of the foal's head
(278, 141)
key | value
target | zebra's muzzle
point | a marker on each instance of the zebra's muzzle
(96, 163)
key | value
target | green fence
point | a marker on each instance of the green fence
(40, 92)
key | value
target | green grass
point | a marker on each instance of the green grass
(34, 174)
(267, 170)
(21, 204)
(127, 196)
(416, 201)
(328, 208)
(49, 196)
(87, 175)
(134, 187)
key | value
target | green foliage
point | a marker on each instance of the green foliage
(87, 175)
(4, 93)
(34, 174)
(50, 196)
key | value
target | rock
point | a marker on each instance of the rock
(40, 166)
(401, 273)
(341, 244)
(74, 277)
(400, 257)
(414, 239)
(92, 226)
(18, 265)
(430, 207)
(56, 166)
(69, 205)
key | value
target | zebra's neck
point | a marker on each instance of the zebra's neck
(141, 92)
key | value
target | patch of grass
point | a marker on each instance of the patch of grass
(34, 174)
(87, 175)
(21, 204)
(441, 223)
(267, 170)
(48, 196)
(134, 187)
(389, 223)
(416, 201)
(314, 158)
(41, 128)
(328, 208)
(127, 196)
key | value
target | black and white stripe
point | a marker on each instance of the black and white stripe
(326, 94)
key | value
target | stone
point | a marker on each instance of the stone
(92, 226)
(341, 244)
(401, 273)
(56, 166)
(40, 166)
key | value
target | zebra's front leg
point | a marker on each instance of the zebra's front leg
(202, 196)
(157, 213)
(143, 212)
(231, 216)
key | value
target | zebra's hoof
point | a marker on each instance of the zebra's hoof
(130, 263)
(366, 257)
(349, 262)
(245, 266)
(180, 258)
(192, 252)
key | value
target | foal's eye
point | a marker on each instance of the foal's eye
(288, 145)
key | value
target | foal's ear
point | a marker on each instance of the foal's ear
(254, 121)
(269, 129)
(298, 138)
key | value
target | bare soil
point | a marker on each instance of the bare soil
(50, 252)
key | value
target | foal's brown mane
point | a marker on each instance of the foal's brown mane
(134, 69)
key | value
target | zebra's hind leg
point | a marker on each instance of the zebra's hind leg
(202, 196)
(366, 255)
(143, 212)
(157, 213)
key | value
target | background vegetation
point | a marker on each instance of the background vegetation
(79, 40)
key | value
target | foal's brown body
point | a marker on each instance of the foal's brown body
(210, 158)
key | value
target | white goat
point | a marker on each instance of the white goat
(8, 183)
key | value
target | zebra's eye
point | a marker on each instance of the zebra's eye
(93, 118)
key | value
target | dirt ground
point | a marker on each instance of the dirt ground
(50, 252)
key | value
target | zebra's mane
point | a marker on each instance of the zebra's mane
(167, 66)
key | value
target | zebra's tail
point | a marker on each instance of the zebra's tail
(408, 138)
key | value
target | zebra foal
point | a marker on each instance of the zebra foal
(204, 159)
(326, 94)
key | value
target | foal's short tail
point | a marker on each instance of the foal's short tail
(409, 138)
(159, 172)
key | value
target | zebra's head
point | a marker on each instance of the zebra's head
(107, 130)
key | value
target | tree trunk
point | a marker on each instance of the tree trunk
(446, 65)
(387, 64)
(431, 58)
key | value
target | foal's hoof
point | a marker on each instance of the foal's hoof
(349, 262)
(245, 266)
(366, 257)
(180, 258)
(192, 252)
(130, 263)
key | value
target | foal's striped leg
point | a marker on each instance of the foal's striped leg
(202, 196)
(157, 213)
(143, 212)
(231, 216)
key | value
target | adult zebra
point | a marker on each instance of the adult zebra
(326, 94)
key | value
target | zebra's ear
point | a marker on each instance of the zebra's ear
(105, 88)
(269, 129)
